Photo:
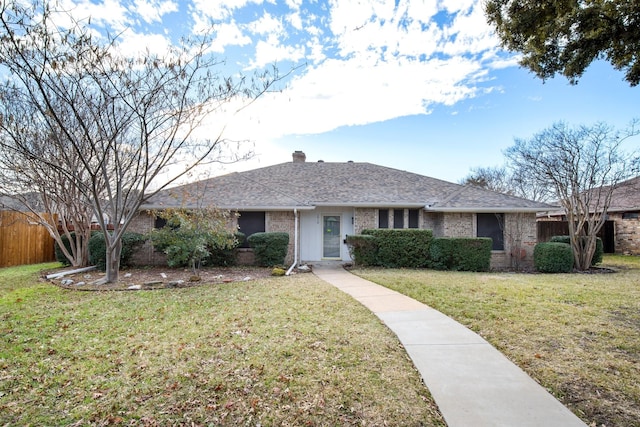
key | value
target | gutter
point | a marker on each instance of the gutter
(231, 208)
(295, 242)
(429, 208)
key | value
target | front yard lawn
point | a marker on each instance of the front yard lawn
(275, 351)
(576, 334)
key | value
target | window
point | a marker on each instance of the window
(492, 225)
(398, 218)
(414, 215)
(383, 218)
(159, 223)
(631, 215)
(249, 223)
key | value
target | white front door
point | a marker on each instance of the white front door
(331, 235)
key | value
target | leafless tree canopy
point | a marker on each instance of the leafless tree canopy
(583, 165)
(113, 128)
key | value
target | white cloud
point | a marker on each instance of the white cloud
(109, 13)
(229, 34)
(133, 44)
(267, 24)
(394, 61)
(270, 51)
(219, 9)
(368, 61)
(153, 10)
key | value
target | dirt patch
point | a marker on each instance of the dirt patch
(148, 278)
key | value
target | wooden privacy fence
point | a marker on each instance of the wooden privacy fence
(23, 241)
(548, 229)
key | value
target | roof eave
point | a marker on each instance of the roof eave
(370, 205)
(234, 208)
(500, 209)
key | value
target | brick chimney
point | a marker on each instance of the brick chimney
(299, 157)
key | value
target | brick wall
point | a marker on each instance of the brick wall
(459, 225)
(143, 223)
(627, 233)
(434, 221)
(365, 218)
(282, 222)
(520, 238)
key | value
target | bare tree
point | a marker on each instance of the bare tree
(490, 178)
(505, 180)
(584, 165)
(42, 192)
(125, 128)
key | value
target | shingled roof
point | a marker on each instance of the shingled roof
(305, 185)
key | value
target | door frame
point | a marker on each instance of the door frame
(323, 216)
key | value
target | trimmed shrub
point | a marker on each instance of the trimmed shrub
(98, 249)
(363, 249)
(270, 249)
(597, 255)
(553, 257)
(461, 254)
(224, 255)
(399, 248)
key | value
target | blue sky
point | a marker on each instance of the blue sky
(421, 86)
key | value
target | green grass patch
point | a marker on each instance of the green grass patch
(280, 351)
(576, 334)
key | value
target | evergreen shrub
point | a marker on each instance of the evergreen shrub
(461, 254)
(553, 257)
(597, 255)
(398, 248)
(363, 249)
(98, 249)
(270, 249)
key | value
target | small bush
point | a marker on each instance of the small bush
(278, 271)
(224, 255)
(270, 249)
(98, 249)
(553, 257)
(363, 249)
(597, 255)
(399, 248)
(461, 254)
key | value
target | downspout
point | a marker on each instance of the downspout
(295, 241)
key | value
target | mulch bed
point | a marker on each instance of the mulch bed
(148, 278)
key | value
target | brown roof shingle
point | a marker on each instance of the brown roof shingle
(305, 185)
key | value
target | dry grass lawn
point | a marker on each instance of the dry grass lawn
(576, 334)
(272, 352)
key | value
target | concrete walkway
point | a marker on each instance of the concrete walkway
(472, 382)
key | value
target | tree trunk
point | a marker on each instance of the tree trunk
(583, 249)
(114, 249)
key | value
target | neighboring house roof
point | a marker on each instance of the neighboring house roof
(625, 197)
(306, 185)
(17, 202)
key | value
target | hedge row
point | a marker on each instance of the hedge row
(461, 254)
(417, 248)
(401, 247)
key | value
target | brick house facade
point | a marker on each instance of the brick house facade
(324, 202)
